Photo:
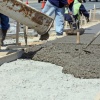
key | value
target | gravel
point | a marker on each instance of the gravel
(34, 80)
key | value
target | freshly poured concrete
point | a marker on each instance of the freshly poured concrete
(70, 55)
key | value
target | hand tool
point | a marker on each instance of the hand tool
(95, 36)
(84, 49)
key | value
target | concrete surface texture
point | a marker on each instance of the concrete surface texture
(82, 64)
(26, 79)
(33, 80)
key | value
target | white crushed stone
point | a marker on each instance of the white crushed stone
(33, 80)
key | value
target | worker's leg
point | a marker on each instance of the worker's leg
(59, 20)
(4, 26)
(76, 25)
(49, 9)
(70, 25)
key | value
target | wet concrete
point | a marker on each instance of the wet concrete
(70, 56)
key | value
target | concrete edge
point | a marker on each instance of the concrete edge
(11, 57)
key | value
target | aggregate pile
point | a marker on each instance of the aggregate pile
(70, 56)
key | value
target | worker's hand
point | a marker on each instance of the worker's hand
(87, 19)
(70, 13)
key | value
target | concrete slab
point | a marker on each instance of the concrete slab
(93, 29)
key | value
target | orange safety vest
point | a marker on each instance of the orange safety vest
(69, 1)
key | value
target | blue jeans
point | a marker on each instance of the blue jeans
(49, 9)
(4, 22)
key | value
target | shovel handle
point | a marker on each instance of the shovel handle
(95, 36)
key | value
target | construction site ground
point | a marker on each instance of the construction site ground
(40, 74)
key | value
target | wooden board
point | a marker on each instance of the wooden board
(10, 55)
(26, 15)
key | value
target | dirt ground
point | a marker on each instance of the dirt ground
(70, 55)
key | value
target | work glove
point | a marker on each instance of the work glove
(70, 13)
(87, 19)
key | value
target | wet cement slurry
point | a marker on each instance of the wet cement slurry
(70, 56)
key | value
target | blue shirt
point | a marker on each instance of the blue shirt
(58, 3)
(4, 22)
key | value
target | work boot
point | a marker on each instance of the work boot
(4, 32)
(44, 36)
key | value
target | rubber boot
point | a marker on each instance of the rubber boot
(4, 32)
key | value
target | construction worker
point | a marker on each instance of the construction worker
(4, 27)
(75, 9)
(57, 7)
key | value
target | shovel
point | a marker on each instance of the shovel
(84, 49)
(96, 35)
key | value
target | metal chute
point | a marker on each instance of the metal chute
(26, 15)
